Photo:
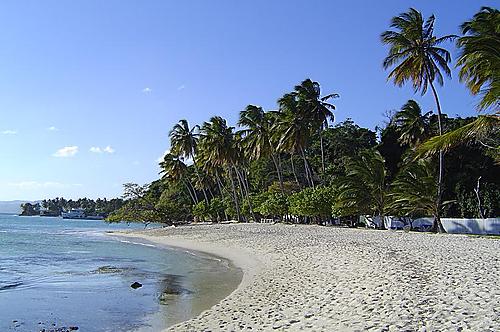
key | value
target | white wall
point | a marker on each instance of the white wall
(489, 226)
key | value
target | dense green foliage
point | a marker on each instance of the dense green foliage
(54, 207)
(292, 165)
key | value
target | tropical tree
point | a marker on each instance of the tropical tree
(413, 192)
(364, 188)
(293, 129)
(218, 144)
(184, 143)
(256, 136)
(412, 125)
(173, 169)
(479, 59)
(479, 63)
(416, 56)
(316, 108)
(482, 130)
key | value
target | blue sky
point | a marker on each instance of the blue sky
(90, 89)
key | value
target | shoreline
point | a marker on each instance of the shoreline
(239, 258)
(306, 277)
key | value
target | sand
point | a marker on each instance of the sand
(313, 278)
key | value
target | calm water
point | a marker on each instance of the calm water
(56, 272)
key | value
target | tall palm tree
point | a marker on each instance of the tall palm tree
(363, 190)
(413, 126)
(293, 128)
(416, 56)
(317, 108)
(184, 143)
(218, 144)
(256, 136)
(479, 59)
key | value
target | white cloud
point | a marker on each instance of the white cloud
(9, 132)
(107, 149)
(38, 184)
(147, 90)
(181, 87)
(52, 128)
(67, 151)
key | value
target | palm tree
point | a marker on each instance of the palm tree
(479, 130)
(184, 143)
(479, 64)
(413, 126)
(317, 108)
(256, 137)
(416, 56)
(293, 128)
(218, 144)
(479, 59)
(414, 190)
(174, 169)
(363, 189)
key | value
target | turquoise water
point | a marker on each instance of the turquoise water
(56, 273)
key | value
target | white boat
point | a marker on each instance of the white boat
(74, 214)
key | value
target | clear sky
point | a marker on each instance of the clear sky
(89, 89)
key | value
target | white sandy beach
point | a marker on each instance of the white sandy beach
(314, 278)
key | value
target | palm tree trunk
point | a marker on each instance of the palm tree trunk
(322, 152)
(437, 226)
(190, 193)
(235, 196)
(221, 191)
(307, 169)
(280, 179)
(294, 171)
(199, 179)
(246, 190)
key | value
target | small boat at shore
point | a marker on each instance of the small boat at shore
(79, 214)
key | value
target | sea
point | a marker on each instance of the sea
(57, 274)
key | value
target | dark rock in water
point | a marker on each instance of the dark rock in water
(9, 286)
(136, 285)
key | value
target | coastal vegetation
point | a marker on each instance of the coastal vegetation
(54, 207)
(292, 165)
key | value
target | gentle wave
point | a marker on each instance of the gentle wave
(139, 243)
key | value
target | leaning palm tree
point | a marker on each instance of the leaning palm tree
(479, 64)
(416, 56)
(479, 59)
(363, 190)
(413, 126)
(184, 143)
(316, 108)
(481, 130)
